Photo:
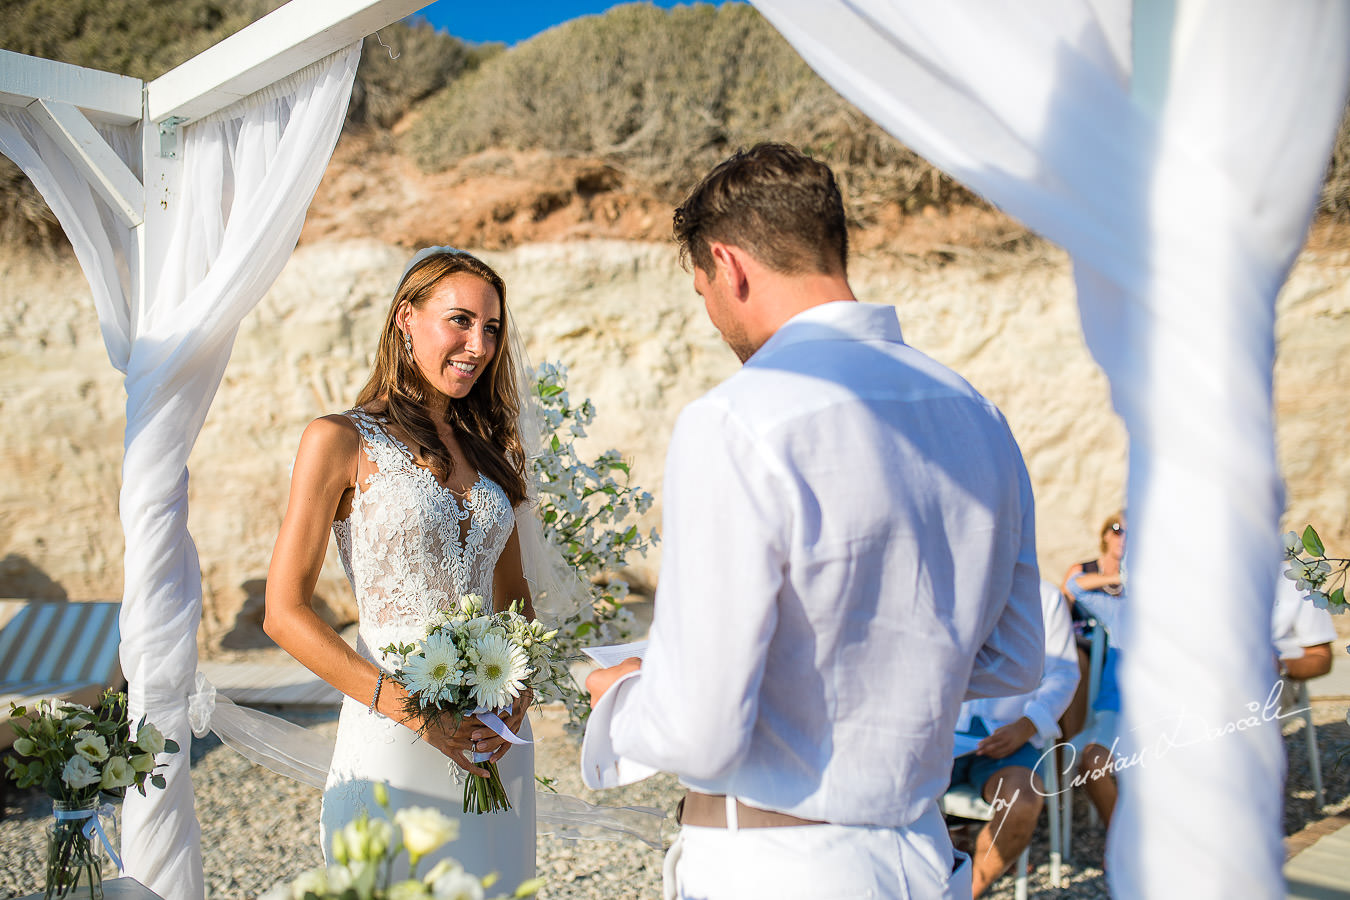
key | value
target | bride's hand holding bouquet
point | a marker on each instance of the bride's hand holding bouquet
(469, 681)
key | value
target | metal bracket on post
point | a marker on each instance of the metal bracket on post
(168, 136)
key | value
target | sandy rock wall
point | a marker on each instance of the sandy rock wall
(626, 321)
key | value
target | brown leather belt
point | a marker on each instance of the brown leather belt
(710, 811)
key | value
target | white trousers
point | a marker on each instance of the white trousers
(811, 862)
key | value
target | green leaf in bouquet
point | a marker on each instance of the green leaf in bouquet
(1337, 597)
(1312, 543)
(170, 745)
(158, 781)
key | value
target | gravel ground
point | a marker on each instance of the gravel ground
(259, 828)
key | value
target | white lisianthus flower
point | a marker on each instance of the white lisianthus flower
(79, 772)
(342, 877)
(471, 605)
(91, 746)
(363, 840)
(425, 829)
(436, 671)
(499, 672)
(143, 762)
(312, 881)
(441, 868)
(457, 885)
(149, 739)
(118, 773)
(477, 627)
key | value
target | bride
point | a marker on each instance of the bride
(419, 484)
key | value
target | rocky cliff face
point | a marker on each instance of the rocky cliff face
(624, 318)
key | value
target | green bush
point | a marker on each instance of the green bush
(663, 95)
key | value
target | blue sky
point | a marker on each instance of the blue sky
(511, 21)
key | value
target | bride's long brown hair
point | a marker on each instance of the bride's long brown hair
(484, 420)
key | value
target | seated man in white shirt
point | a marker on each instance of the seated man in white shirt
(1302, 634)
(849, 552)
(1015, 732)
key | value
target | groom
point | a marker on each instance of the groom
(850, 552)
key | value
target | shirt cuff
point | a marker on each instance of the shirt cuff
(601, 764)
(1047, 725)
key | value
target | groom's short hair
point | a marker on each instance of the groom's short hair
(773, 201)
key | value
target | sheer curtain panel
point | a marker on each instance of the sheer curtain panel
(1175, 149)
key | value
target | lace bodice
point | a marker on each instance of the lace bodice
(409, 546)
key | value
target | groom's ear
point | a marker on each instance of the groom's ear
(729, 266)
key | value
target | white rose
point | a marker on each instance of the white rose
(149, 739)
(91, 746)
(118, 773)
(79, 772)
(425, 829)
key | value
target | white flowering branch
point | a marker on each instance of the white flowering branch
(1311, 570)
(585, 508)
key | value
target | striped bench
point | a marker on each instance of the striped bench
(66, 650)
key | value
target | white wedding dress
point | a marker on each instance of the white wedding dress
(410, 549)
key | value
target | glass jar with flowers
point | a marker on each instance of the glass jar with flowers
(82, 757)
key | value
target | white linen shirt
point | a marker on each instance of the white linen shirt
(1295, 624)
(1052, 696)
(850, 551)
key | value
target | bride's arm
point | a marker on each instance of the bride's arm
(325, 469)
(508, 579)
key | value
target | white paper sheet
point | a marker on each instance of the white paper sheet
(965, 743)
(613, 654)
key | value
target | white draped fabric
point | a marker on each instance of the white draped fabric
(104, 247)
(248, 175)
(1179, 166)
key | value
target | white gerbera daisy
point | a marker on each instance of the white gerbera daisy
(435, 671)
(499, 671)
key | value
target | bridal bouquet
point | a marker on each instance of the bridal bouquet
(475, 663)
(75, 754)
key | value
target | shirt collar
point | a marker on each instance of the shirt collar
(838, 320)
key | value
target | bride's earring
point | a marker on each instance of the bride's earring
(407, 344)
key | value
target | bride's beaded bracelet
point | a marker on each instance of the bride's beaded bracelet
(375, 698)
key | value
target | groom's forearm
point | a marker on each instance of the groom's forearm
(601, 680)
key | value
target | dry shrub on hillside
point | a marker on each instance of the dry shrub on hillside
(1336, 189)
(140, 38)
(146, 38)
(414, 62)
(665, 94)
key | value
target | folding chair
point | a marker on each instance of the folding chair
(964, 802)
(60, 649)
(1096, 662)
(1304, 701)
